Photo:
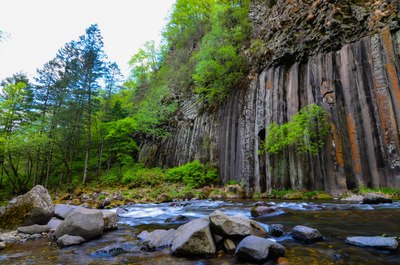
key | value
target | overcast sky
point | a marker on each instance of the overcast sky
(38, 28)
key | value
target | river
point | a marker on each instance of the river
(335, 221)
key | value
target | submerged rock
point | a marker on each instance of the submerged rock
(375, 198)
(306, 234)
(378, 242)
(67, 240)
(194, 238)
(157, 239)
(258, 249)
(235, 226)
(86, 223)
(113, 250)
(33, 229)
(34, 207)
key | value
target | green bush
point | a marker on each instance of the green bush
(193, 174)
(143, 177)
(306, 131)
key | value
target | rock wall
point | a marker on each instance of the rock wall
(358, 85)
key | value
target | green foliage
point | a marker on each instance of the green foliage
(143, 177)
(384, 190)
(306, 131)
(219, 65)
(193, 174)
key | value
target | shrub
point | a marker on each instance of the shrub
(143, 177)
(306, 131)
(193, 174)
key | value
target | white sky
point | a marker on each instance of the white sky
(38, 28)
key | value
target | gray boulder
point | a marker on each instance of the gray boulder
(375, 198)
(83, 222)
(235, 226)
(33, 229)
(62, 210)
(258, 249)
(194, 238)
(157, 239)
(54, 223)
(261, 210)
(276, 230)
(67, 240)
(306, 234)
(378, 242)
(110, 220)
(34, 207)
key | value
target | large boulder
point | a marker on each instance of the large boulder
(34, 207)
(54, 223)
(67, 240)
(62, 210)
(194, 238)
(83, 222)
(235, 226)
(258, 249)
(306, 234)
(110, 220)
(375, 198)
(34, 229)
(378, 242)
(158, 238)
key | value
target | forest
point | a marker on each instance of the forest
(79, 121)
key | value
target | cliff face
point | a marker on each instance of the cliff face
(358, 85)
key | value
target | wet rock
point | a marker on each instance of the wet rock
(158, 239)
(261, 210)
(276, 230)
(103, 204)
(62, 210)
(67, 240)
(113, 250)
(33, 229)
(163, 198)
(2, 210)
(235, 226)
(229, 245)
(261, 203)
(86, 223)
(179, 204)
(34, 207)
(110, 220)
(122, 210)
(258, 249)
(54, 223)
(194, 238)
(177, 219)
(35, 236)
(375, 198)
(2, 245)
(306, 234)
(353, 197)
(378, 242)
(10, 237)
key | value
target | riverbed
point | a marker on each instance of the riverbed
(335, 220)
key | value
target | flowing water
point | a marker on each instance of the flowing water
(334, 220)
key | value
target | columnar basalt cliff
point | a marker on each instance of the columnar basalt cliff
(351, 68)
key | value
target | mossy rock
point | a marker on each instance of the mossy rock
(324, 196)
(297, 195)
